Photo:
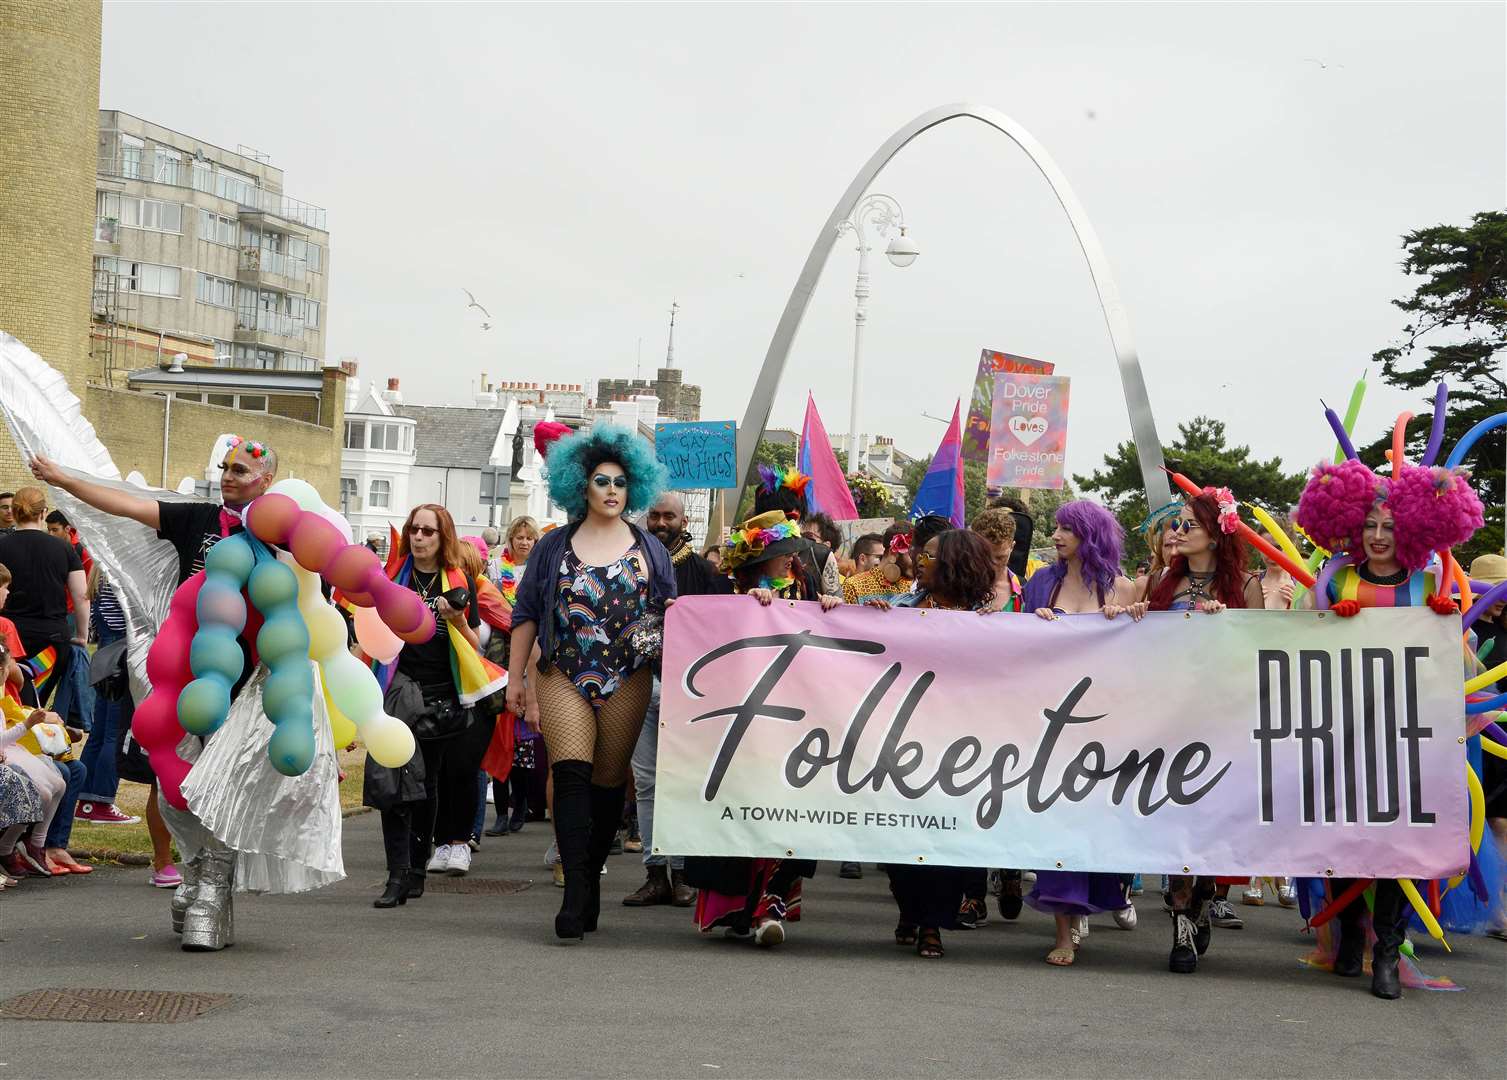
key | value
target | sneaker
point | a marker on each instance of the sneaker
(770, 933)
(1287, 896)
(460, 860)
(1222, 915)
(166, 878)
(634, 845)
(617, 844)
(1125, 918)
(101, 813)
(996, 882)
(737, 933)
(972, 914)
(552, 855)
(851, 870)
(439, 862)
(1184, 957)
(474, 843)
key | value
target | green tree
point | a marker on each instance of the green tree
(1202, 453)
(1456, 333)
(776, 456)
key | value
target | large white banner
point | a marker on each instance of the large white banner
(1291, 743)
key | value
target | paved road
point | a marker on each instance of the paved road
(455, 985)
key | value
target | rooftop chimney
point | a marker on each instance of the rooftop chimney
(392, 395)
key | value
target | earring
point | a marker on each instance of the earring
(1214, 547)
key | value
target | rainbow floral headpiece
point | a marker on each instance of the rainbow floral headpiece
(1229, 510)
(254, 449)
(771, 480)
(759, 538)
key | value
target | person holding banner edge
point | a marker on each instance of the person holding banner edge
(592, 598)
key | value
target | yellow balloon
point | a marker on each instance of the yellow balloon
(1477, 806)
(326, 631)
(342, 730)
(1486, 678)
(388, 740)
(1493, 748)
(1424, 914)
(1282, 539)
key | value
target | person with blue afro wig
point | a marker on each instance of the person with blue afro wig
(574, 458)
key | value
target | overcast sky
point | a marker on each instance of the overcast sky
(580, 167)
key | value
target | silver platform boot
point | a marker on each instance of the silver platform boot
(209, 920)
(183, 895)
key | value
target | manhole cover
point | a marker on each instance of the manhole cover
(127, 1006)
(475, 886)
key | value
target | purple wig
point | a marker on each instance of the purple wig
(1101, 542)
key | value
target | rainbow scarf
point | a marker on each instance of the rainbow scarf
(475, 676)
(507, 579)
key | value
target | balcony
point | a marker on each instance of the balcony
(122, 164)
(258, 266)
(263, 203)
(269, 328)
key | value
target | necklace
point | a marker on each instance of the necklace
(1198, 585)
(425, 588)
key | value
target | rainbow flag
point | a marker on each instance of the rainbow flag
(828, 491)
(941, 490)
(43, 666)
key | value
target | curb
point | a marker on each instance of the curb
(132, 858)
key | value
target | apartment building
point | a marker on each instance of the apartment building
(198, 250)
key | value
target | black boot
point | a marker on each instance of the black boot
(1350, 959)
(499, 808)
(415, 886)
(573, 833)
(396, 893)
(1184, 956)
(1389, 920)
(520, 815)
(606, 817)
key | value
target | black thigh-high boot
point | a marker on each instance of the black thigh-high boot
(1389, 920)
(606, 817)
(573, 833)
(1350, 959)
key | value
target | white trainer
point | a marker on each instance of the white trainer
(460, 860)
(439, 862)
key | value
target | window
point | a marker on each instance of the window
(179, 395)
(311, 314)
(408, 439)
(161, 216)
(216, 228)
(355, 435)
(227, 400)
(251, 402)
(230, 184)
(130, 156)
(215, 291)
(165, 165)
(347, 493)
(222, 351)
(312, 255)
(136, 213)
(254, 356)
(202, 177)
(381, 494)
(141, 277)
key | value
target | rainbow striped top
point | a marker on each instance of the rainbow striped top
(1347, 584)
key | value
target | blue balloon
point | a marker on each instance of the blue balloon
(203, 705)
(220, 603)
(282, 637)
(271, 586)
(288, 692)
(215, 651)
(291, 748)
(231, 557)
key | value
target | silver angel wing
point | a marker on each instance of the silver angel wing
(45, 417)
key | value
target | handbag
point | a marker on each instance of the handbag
(441, 719)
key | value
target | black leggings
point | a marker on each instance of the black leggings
(928, 896)
(448, 809)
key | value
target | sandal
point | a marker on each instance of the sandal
(905, 935)
(1062, 956)
(929, 944)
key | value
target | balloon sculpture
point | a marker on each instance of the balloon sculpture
(197, 658)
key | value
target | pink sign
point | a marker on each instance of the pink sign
(1028, 432)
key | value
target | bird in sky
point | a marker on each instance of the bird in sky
(474, 304)
(486, 326)
(1316, 60)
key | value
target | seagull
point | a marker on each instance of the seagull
(474, 304)
(486, 326)
(1316, 60)
(1090, 114)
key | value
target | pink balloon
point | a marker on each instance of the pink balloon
(424, 631)
(314, 542)
(401, 609)
(350, 567)
(155, 723)
(375, 638)
(272, 517)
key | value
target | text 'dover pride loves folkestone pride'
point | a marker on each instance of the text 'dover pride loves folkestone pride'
(1243, 742)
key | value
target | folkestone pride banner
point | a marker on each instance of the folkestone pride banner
(1293, 743)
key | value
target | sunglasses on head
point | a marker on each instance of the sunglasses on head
(421, 530)
(604, 482)
(1183, 526)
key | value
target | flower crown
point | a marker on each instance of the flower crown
(900, 544)
(771, 480)
(757, 539)
(255, 449)
(1229, 511)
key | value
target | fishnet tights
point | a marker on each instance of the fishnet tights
(605, 738)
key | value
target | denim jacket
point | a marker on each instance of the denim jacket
(536, 592)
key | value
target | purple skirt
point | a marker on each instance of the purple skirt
(1065, 892)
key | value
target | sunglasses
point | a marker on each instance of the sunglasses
(421, 530)
(605, 482)
(1183, 526)
(925, 557)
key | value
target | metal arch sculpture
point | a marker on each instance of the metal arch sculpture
(1142, 426)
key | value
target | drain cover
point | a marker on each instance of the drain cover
(475, 886)
(99, 1005)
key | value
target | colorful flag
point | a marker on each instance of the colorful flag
(828, 491)
(941, 490)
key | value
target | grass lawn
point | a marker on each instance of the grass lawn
(111, 841)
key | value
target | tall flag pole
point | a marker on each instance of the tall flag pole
(828, 491)
(941, 490)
